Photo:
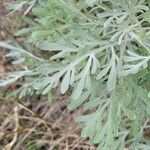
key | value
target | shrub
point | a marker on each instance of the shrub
(99, 51)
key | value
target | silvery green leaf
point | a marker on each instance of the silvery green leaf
(58, 55)
(77, 102)
(100, 135)
(17, 6)
(12, 54)
(41, 83)
(139, 40)
(30, 6)
(95, 65)
(132, 54)
(121, 38)
(19, 61)
(149, 94)
(78, 99)
(38, 35)
(56, 83)
(131, 59)
(103, 72)
(115, 36)
(90, 121)
(88, 131)
(142, 7)
(94, 103)
(143, 146)
(9, 46)
(4, 83)
(130, 71)
(47, 45)
(108, 22)
(84, 118)
(78, 90)
(48, 68)
(112, 78)
(48, 88)
(91, 2)
(129, 113)
(145, 65)
(122, 18)
(23, 31)
(88, 81)
(72, 76)
(40, 11)
(14, 76)
(65, 82)
(50, 82)
(146, 16)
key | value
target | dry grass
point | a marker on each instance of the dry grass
(41, 125)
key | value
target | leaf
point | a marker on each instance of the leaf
(23, 31)
(48, 88)
(65, 83)
(146, 16)
(4, 83)
(102, 73)
(94, 103)
(89, 121)
(72, 76)
(112, 79)
(121, 38)
(122, 18)
(38, 35)
(149, 95)
(91, 2)
(47, 68)
(100, 136)
(140, 91)
(47, 45)
(129, 113)
(77, 102)
(88, 81)
(50, 96)
(143, 146)
(17, 6)
(40, 11)
(58, 55)
(88, 131)
(19, 61)
(9, 46)
(135, 126)
(41, 83)
(30, 7)
(108, 22)
(115, 36)
(78, 90)
(13, 77)
(95, 65)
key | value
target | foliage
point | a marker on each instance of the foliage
(97, 49)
